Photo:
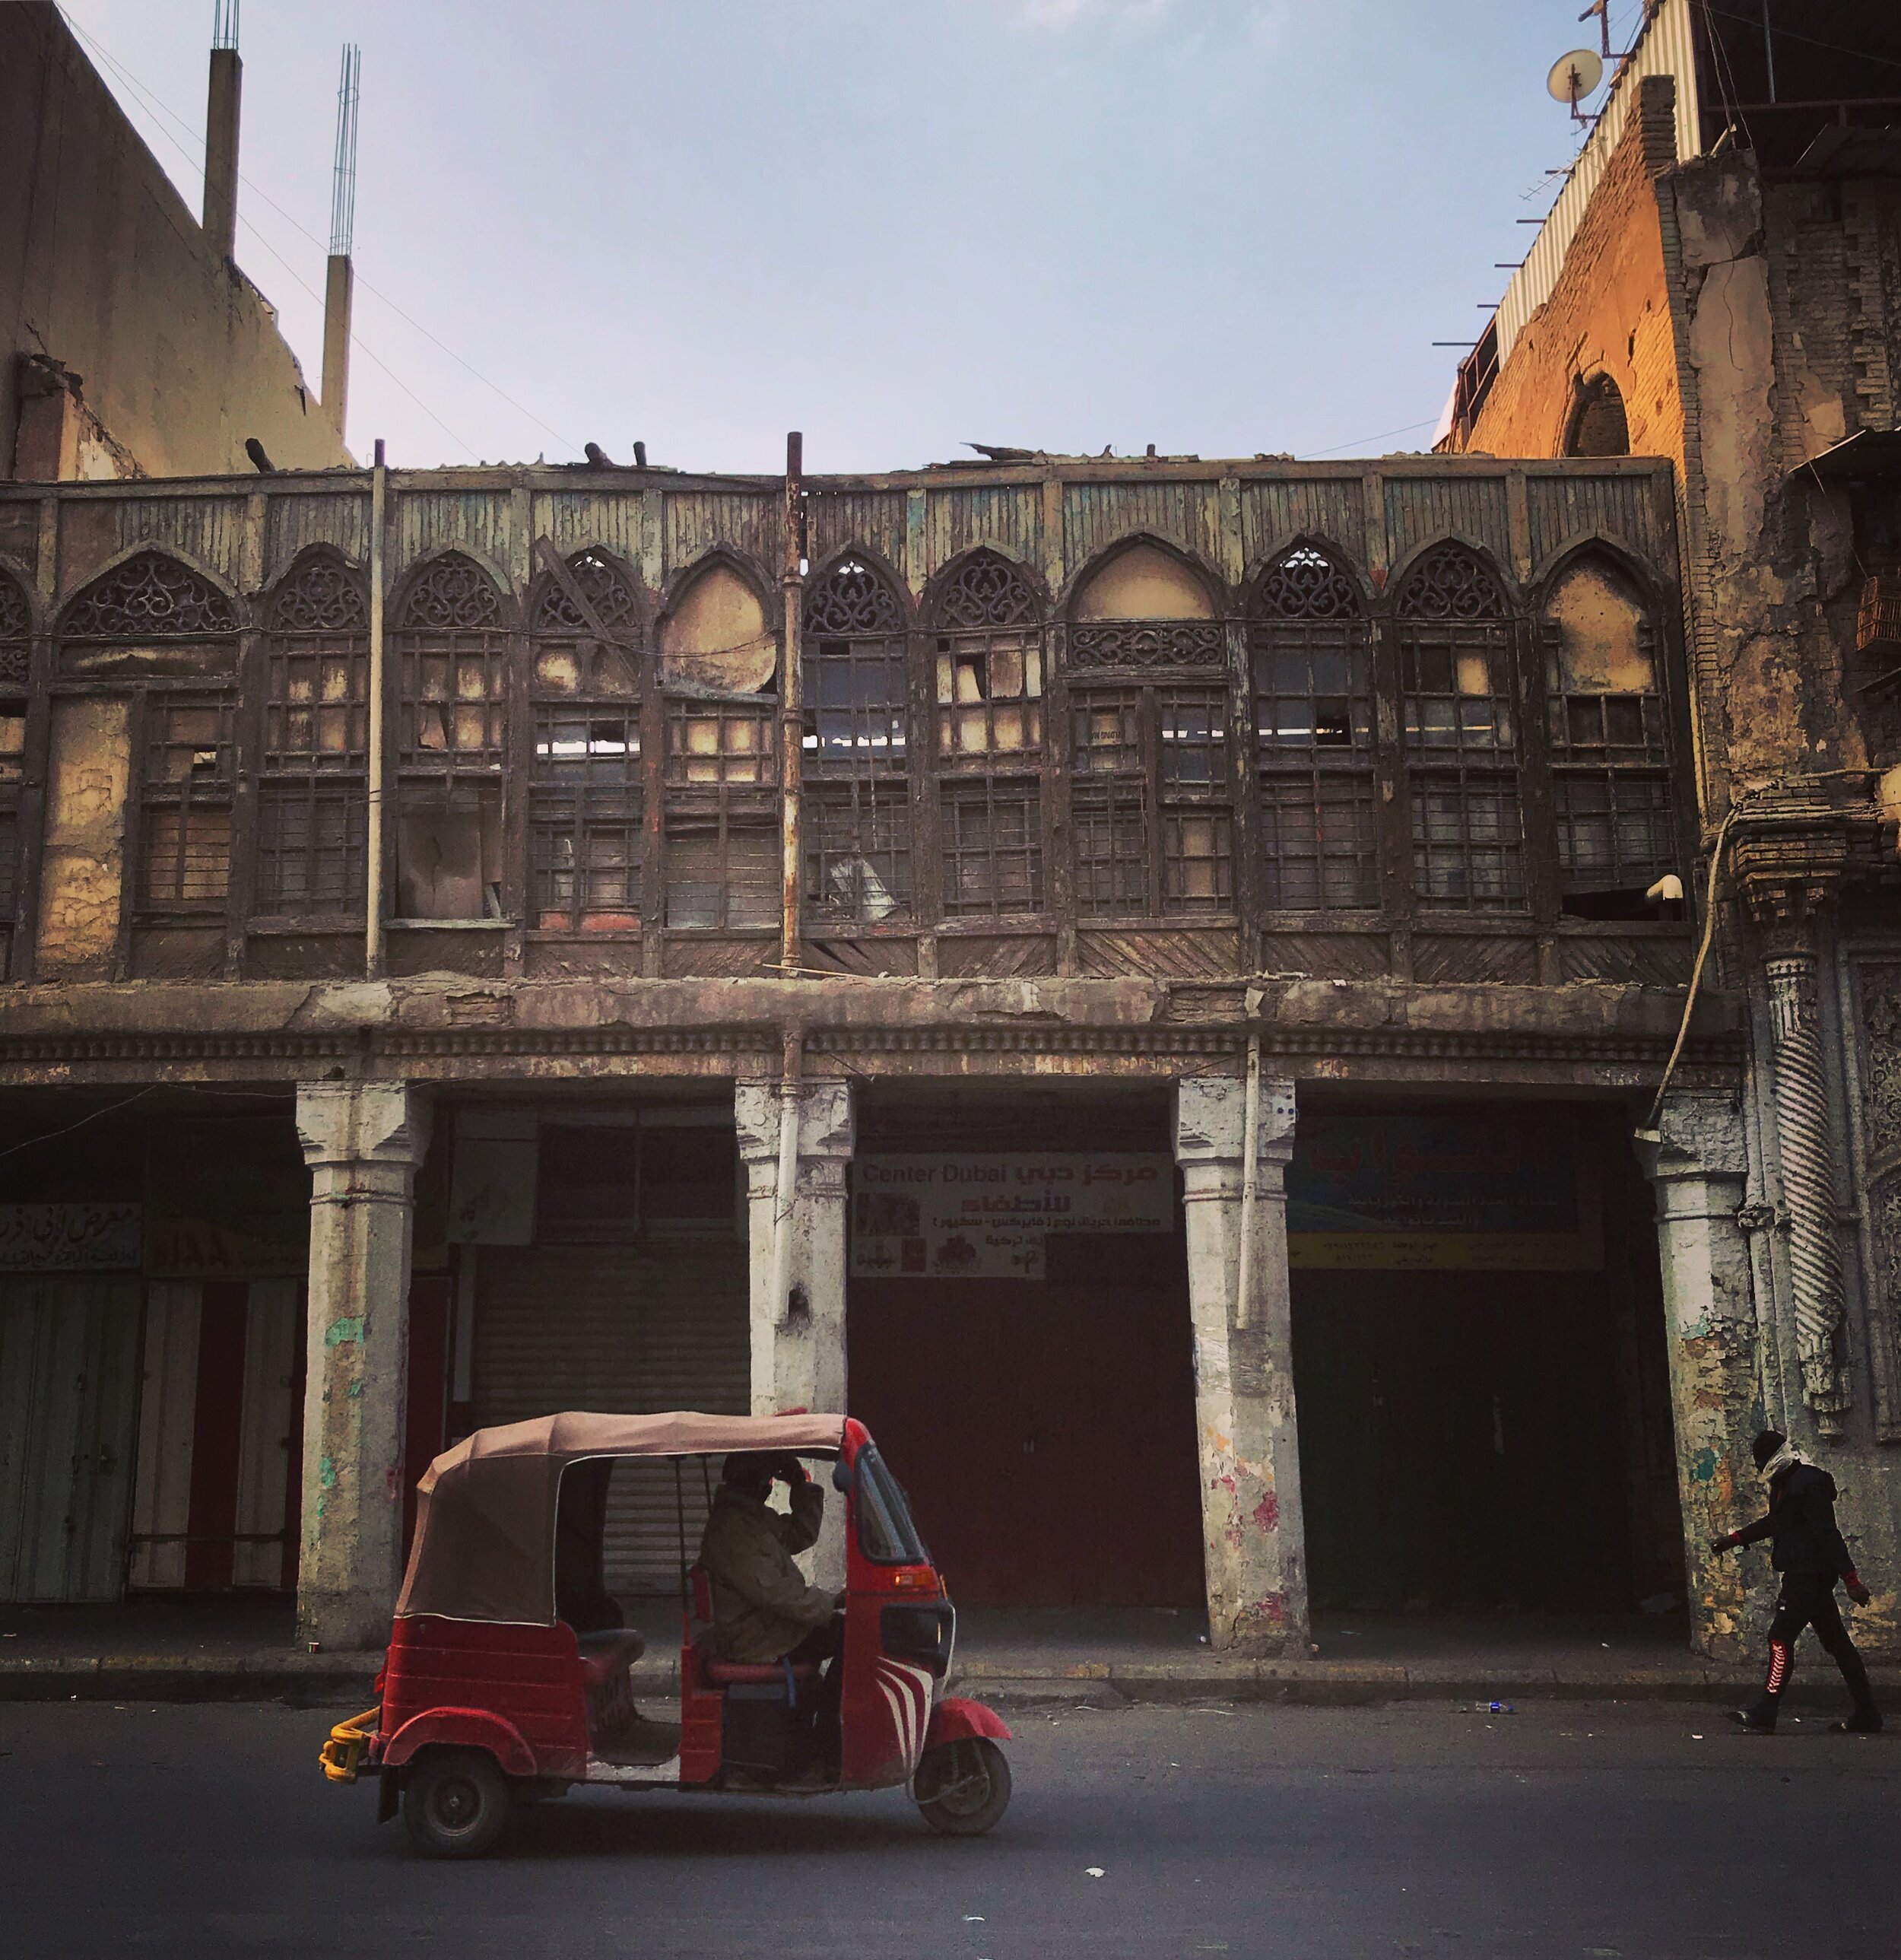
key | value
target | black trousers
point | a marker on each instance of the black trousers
(825, 1644)
(1807, 1599)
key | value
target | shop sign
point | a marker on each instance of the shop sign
(69, 1238)
(935, 1215)
(1489, 1190)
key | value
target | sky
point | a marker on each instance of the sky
(1222, 226)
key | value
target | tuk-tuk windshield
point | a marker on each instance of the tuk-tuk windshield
(886, 1534)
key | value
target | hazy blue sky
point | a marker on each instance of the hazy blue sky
(1222, 226)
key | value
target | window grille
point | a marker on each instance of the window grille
(186, 826)
(16, 623)
(722, 869)
(1455, 639)
(149, 597)
(993, 848)
(857, 852)
(988, 662)
(313, 801)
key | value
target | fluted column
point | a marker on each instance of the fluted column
(1789, 883)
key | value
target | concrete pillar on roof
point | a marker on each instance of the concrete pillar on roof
(799, 1315)
(1253, 1537)
(1696, 1157)
(364, 1142)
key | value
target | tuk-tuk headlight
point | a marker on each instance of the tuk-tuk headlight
(919, 1633)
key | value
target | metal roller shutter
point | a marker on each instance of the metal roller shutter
(620, 1331)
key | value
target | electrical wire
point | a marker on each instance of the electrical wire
(1430, 422)
(185, 149)
(13, 1150)
(1790, 34)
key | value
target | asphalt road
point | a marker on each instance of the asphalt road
(1566, 1829)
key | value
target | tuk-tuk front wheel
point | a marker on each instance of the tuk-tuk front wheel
(455, 1802)
(963, 1787)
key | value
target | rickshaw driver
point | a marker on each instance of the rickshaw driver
(763, 1610)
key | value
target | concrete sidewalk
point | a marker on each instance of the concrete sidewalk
(243, 1651)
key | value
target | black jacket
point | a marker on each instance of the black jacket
(1800, 1523)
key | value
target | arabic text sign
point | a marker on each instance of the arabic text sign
(934, 1214)
(69, 1238)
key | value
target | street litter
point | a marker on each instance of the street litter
(1092, 1871)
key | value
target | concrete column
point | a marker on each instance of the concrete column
(363, 1142)
(799, 1330)
(220, 151)
(1255, 1544)
(1695, 1157)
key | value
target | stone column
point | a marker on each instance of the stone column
(1696, 1158)
(1254, 1540)
(1789, 882)
(363, 1142)
(799, 1335)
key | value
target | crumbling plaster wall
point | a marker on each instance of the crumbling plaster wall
(104, 269)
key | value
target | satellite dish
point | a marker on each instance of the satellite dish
(1574, 76)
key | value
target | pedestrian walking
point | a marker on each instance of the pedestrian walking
(1807, 1548)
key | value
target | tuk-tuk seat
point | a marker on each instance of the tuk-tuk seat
(606, 1656)
(717, 1673)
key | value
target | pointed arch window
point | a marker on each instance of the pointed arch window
(586, 801)
(856, 747)
(16, 646)
(312, 809)
(451, 646)
(1311, 649)
(1610, 741)
(1456, 639)
(988, 661)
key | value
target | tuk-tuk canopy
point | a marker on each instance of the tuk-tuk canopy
(484, 1543)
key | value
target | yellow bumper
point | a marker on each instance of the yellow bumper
(342, 1756)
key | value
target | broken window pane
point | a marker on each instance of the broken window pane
(449, 853)
(188, 856)
(857, 852)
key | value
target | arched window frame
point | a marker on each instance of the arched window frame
(1612, 754)
(1598, 403)
(1311, 668)
(184, 767)
(451, 638)
(721, 774)
(587, 791)
(1457, 633)
(313, 822)
(856, 746)
(1152, 788)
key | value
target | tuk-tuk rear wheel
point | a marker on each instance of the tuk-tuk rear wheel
(455, 1802)
(963, 1787)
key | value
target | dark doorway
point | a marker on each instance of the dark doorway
(1044, 1428)
(1480, 1441)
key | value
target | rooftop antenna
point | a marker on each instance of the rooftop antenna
(1573, 77)
(340, 286)
(1602, 9)
(224, 24)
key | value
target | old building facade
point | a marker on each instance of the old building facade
(1720, 283)
(1138, 977)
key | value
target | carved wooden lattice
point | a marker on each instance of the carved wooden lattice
(852, 601)
(1143, 645)
(1451, 583)
(604, 587)
(320, 596)
(1305, 583)
(149, 597)
(15, 624)
(987, 592)
(453, 595)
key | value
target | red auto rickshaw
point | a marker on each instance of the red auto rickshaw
(492, 1695)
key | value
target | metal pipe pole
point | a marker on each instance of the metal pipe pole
(792, 708)
(791, 1069)
(374, 826)
(1250, 1185)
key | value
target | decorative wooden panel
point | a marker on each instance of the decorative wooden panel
(1623, 507)
(1444, 956)
(209, 529)
(20, 532)
(1098, 515)
(1651, 963)
(476, 953)
(582, 959)
(474, 520)
(746, 522)
(180, 952)
(1026, 956)
(304, 956)
(690, 957)
(292, 522)
(1421, 507)
(1009, 517)
(1326, 955)
(1327, 507)
(874, 518)
(576, 519)
(1159, 954)
(895, 957)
